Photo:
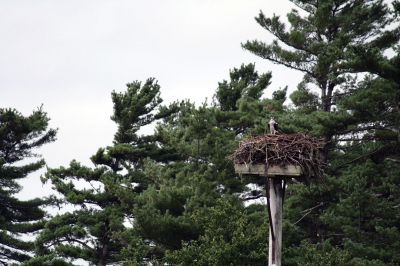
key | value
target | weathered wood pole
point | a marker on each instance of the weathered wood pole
(275, 181)
(275, 233)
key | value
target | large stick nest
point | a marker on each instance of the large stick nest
(281, 150)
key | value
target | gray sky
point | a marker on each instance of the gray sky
(69, 55)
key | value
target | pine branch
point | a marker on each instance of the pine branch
(308, 211)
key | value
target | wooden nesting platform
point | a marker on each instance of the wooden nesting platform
(273, 171)
(288, 155)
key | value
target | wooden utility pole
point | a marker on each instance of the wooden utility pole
(274, 193)
(280, 151)
(275, 202)
(277, 167)
(274, 177)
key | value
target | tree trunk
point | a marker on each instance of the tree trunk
(275, 241)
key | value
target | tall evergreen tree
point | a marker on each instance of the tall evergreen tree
(244, 82)
(329, 41)
(19, 137)
(94, 230)
(319, 39)
(179, 214)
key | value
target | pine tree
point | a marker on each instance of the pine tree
(244, 82)
(363, 218)
(329, 41)
(19, 137)
(320, 40)
(179, 212)
(101, 196)
(232, 235)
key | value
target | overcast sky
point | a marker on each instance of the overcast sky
(69, 55)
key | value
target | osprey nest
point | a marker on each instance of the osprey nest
(282, 150)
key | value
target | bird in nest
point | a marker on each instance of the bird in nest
(273, 126)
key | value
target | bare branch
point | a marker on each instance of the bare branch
(308, 211)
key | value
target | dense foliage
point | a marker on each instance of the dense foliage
(331, 41)
(19, 137)
(171, 197)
